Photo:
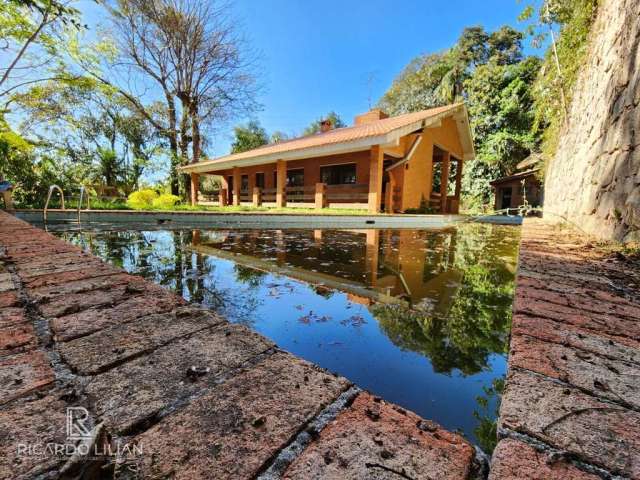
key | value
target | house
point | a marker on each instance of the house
(523, 187)
(382, 163)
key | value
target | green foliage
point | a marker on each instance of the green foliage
(487, 429)
(416, 88)
(489, 72)
(142, 199)
(91, 130)
(477, 323)
(31, 175)
(422, 209)
(438, 79)
(248, 137)
(475, 185)
(165, 201)
(500, 100)
(278, 136)
(574, 19)
(250, 276)
(333, 117)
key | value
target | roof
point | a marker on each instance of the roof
(516, 176)
(530, 161)
(343, 140)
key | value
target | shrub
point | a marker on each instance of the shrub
(142, 199)
(165, 201)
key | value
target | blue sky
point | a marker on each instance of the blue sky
(324, 55)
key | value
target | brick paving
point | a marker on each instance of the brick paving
(175, 391)
(571, 405)
(203, 398)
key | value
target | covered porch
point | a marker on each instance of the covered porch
(290, 190)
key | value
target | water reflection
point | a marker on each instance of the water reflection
(418, 317)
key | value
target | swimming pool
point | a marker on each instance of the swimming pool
(418, 317)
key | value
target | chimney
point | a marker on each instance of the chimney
(371, 116)
(325, 125)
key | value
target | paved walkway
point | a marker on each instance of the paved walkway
(571, 407)
(173, 390)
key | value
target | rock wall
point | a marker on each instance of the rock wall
(594, 179)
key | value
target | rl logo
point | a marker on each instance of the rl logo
(77, 420)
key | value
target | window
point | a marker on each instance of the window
(260, 180)
(338, 174)
(244, 183)
(295, 178)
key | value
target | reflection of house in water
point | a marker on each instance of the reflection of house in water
(371, 265)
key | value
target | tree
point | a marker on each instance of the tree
(488, 71)
(28, 25)
(478, 321)
(333, 117)
(500, 100)
(248, 137)
(563, 59)
(415, 88)
(93, 126)
(278, 136)
(191, 52)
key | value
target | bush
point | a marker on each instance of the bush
(165, 201)
(142, 199)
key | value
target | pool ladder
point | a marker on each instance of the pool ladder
(83, 194)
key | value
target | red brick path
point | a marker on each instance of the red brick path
(200, 397)
(571, 407)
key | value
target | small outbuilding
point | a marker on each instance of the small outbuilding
(520, 189)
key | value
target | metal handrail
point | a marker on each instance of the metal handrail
(46, 204)
(83, 192)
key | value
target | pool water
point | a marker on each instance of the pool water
(418, 317)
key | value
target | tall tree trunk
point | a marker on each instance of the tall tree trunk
(173, 143)
(184, 139)
(195, 132)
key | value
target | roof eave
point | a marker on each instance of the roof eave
(318, 151)
(337, 148)
(466, 136)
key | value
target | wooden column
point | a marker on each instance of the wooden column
(459, 163)
(195, 186)
(224, 191)
(458, 177)
(257, 196)
(236, 186)
(444, 182)
(281, 183)
(281, 247)
(375, 178)
(388, 200)
(321, 195)
(371, 254)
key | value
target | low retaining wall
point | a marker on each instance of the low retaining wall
(571, 407)
(167, 389)
(256, 220)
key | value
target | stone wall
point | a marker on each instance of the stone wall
(594, 179)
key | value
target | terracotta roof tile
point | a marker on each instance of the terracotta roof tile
(337, 136)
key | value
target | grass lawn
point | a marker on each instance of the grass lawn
(247, 208)
(118, 205)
